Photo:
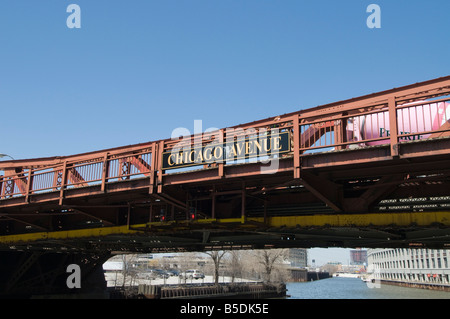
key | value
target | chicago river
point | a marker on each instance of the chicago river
(355, 288)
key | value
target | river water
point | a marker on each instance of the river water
(354, 288)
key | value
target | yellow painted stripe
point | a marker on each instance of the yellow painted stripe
(360, 220)
(333, 220)
(67, 234)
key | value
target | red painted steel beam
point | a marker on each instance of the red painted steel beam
(393, 125)
(325, 190)
(75, 177)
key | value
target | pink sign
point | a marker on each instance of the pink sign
(415, 120)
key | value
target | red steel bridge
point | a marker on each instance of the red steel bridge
(371, 171)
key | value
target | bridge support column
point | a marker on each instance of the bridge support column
(213, 203)
(24, 274)
(243, 202)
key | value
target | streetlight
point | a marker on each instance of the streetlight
(6, 155)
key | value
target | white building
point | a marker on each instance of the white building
(416, 267)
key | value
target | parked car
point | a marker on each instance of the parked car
(147, 274)
(192, 274)
(173, 272)
(162, 273)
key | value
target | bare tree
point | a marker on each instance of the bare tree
(216, 256)
(128, 269)
(235, 264)
(186, 260)
(268, 258)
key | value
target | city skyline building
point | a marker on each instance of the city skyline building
(358, 257)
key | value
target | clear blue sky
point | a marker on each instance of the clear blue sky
(138, 69)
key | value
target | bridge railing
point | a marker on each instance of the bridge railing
(46, 180)
(97, 171)
(343, 131)
(14, 185)
(128, 167)
(376, 125)
(422, 120)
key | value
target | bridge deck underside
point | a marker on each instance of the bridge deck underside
(253, 233)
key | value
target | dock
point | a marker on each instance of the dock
(204, 291)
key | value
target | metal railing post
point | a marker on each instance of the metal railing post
(393, 125)
(160, 165)
(296, 132)
(152, 168)
(29, 185)
(105, 172)
(221, 164)
(63, 183)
